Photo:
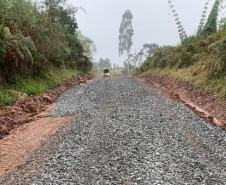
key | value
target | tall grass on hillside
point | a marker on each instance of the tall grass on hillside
(204, 57)
(34, 85)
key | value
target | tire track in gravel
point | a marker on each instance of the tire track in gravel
(127, 133)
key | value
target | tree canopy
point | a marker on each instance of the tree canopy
(147, 51)
(104, 63)
(35, 36)
(211, 24)
(125, 34)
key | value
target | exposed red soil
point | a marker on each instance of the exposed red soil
(206, 105)
(15, 149)
(28, 110)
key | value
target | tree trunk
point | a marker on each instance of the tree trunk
(128, 63)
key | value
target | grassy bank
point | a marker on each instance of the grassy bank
(215, 86)
(201, 62)
(25, 86)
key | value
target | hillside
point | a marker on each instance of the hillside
(202, 62)
(40, 46)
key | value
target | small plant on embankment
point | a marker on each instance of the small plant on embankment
(199, 59)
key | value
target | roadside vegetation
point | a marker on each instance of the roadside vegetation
(98, 68)
(116, 72)
(199, 59)
(24, 87)
(40, 46)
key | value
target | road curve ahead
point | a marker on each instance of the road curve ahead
(127, 133)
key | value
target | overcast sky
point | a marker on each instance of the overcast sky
(152, 23)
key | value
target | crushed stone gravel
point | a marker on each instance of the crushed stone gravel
(127, 133)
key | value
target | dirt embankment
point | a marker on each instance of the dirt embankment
(206, 105)
(32, 107)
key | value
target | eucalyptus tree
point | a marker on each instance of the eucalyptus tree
(124, 71)
(125, 36)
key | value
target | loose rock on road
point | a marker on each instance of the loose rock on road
(127, 133)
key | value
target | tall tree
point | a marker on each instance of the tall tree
(137, 57)
(104, 63)
(87, 44)
(147, 50)
(125, 71)
(125, 35)
(211, 24)
(150, 48)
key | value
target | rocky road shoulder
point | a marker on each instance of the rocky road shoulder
(205, 105)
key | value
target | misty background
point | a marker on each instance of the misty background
(153, 22)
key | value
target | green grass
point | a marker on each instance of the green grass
(116, 72)
(201, 62)
(199, 79)
(35, 85)
(6, 98)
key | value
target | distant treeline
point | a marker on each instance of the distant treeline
(36, 36)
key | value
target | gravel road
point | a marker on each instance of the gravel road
(127, 133)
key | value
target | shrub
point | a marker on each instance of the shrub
(185, 59)
(2, 44)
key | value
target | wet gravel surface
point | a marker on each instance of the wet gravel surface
(126, 132)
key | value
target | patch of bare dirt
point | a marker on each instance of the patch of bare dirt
(30, 108)
(206, 105)
(15, 149)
